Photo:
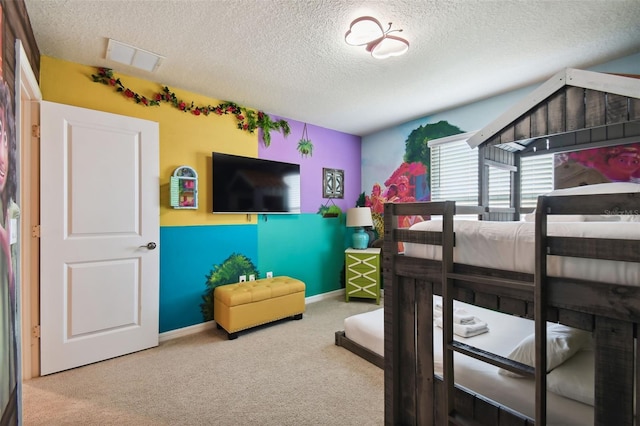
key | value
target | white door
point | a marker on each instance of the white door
(99, 204)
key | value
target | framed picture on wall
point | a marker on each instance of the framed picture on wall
(332, 183)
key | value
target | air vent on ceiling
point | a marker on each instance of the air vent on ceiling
(129, 55)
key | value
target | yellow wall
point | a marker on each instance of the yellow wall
(185, 139)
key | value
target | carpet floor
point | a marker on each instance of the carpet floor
(286, 373)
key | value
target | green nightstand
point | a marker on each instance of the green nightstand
(362, 270)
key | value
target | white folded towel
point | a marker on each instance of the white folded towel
(460, 316)
(467, 330)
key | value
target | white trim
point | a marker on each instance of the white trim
(610, 83)
(449, 139)
(197, 328)
(185, 331)
(27, 77)
(26, 114)
(323, 296)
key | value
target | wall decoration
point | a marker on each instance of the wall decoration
(410, 180)
(225, 273)
(329, 209)
(248, 120)
(620, 163)
(332, 183)
(305, 147)
(9, 213)
(184, 188)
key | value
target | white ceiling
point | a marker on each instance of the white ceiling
(289, 58)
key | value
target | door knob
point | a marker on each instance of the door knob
(150, 245)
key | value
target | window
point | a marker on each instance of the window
(454, 175)
(537, 178)
(454, 172)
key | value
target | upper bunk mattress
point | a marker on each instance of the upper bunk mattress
(510, 246)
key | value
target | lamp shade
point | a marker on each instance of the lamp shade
(359, 216)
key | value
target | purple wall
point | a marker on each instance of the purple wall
(331, 149)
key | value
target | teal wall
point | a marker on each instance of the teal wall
(306, 247)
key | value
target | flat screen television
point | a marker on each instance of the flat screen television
(254, 185)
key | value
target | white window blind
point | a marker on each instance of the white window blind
(537, 178)
(454, 176)
(454, 173)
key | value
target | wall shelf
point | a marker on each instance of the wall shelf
(184, 188)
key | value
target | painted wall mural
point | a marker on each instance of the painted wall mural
(226, 272)
(620, 163)
(409, 181)
(9, 213)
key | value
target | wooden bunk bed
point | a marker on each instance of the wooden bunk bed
(573, 110)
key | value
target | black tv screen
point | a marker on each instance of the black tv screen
(253, 185)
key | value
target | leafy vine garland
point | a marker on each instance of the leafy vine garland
(248, 120)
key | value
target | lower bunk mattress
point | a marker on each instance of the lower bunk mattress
(569, 383)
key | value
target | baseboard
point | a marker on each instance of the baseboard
(323, 296)
(185, 331)
(197, 328)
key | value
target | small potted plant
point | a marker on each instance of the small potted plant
(328, 211)
(305, 147)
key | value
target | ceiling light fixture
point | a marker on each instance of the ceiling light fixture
(129, 55)
(367, 31)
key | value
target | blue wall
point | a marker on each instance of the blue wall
(187, 255)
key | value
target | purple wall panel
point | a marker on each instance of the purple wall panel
(331, 149)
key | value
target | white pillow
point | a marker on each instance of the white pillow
(575, 378)
(562, 343)
(599, 188)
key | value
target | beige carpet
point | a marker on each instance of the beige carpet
(289, 373)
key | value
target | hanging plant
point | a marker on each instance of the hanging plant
(305, 147)
(248, 120)
(329, 209)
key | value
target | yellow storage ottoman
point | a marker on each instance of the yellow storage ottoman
(244, 305)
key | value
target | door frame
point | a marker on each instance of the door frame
(27, 99)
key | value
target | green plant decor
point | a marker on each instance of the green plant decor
(225, 273)
(305, 147)
(330, 210)
(361, 202)
(246, 119)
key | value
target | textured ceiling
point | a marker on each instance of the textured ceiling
(289, 57)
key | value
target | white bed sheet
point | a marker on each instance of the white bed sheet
(505, 332)
(510, 246)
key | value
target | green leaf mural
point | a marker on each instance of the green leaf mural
(416, 149)
(225, 273)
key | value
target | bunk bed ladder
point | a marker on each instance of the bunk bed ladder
(450, 346)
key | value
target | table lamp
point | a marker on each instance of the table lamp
(359, 217)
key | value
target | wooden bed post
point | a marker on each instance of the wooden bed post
(447, 309)
(540, 311)
(391, 327)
